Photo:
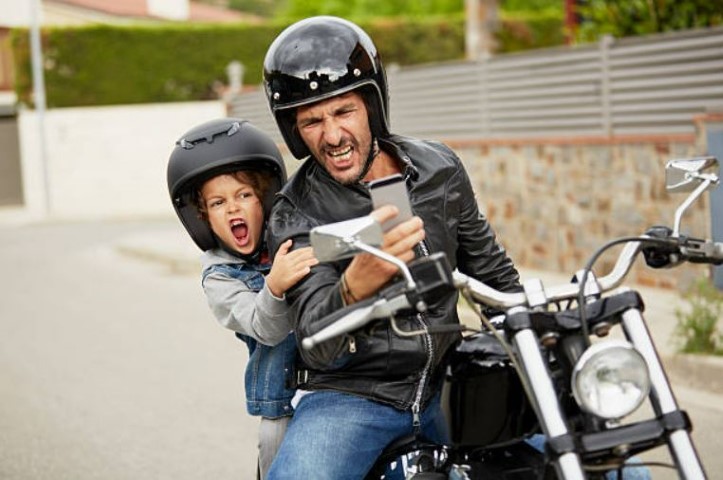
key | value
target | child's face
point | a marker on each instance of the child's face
(234, 211)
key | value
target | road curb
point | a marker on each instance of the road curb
(703, 372)
(174, 263)
(162, 248)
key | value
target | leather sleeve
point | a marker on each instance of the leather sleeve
(314, 297)
(479, 254)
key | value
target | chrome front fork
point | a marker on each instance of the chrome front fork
(551, 417)
(661, 396)
(553, 424)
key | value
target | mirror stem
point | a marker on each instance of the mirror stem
(688, 201)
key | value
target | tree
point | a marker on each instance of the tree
(532, 5)
(358, 9)
(622, 18)
(263, 8)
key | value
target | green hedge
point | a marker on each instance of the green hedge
(525, 31)
(111, 65)
(106, 65)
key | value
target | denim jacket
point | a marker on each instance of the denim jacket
(269, 369)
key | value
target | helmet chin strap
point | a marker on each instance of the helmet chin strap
(373, 152)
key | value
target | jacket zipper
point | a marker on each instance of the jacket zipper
(416, 406)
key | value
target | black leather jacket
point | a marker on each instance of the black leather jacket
(376, 363)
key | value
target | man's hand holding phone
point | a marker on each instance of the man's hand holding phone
(401, 231)
(401, 239)
(366, 274)
(391, 190)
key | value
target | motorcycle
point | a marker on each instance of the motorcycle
(544, 370)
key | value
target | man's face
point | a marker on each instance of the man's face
(337, 133)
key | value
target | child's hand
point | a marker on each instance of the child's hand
(289, 267)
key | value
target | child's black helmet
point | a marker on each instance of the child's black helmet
(319, 58)
(212, 148)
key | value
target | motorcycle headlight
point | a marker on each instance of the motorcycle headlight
(610, 379)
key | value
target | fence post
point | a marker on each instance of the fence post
(606, 43)
(39, 97)
(481, 21)
(235, 73)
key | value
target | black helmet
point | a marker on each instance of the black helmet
(318, 58)
(212, 148)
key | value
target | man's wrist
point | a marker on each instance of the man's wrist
(346, 294)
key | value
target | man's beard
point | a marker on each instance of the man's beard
(372, 153)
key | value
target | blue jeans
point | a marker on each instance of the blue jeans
(629, 473)
(337, 436)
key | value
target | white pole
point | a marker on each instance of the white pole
(39, 94)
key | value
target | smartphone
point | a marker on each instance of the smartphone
(391, 190)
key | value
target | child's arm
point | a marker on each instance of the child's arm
(263, 316)
(255, 314)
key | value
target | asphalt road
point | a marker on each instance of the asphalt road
(113, 368)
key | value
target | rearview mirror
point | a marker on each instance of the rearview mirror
(684, 175)
(335, 241)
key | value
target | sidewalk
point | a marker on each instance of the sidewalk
(171, 246)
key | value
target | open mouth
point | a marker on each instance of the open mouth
(240, 231)
(340, 156)
(341, 153)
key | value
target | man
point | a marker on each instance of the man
(327, 89)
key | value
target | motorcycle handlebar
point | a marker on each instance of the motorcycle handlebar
(691, 250)
(494, 298)
(358, 315)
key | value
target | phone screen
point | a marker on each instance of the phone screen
(391, 190)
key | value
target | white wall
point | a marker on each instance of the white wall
(17, 13)
(170, 9)
(105, 162)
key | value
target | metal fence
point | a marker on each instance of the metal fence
(634, 86)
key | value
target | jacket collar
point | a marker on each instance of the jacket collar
(392, 146)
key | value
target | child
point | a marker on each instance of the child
(222, 177)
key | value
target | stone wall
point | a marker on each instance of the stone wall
(554, 204)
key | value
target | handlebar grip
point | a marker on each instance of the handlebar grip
(702, 251)
(452, 328)
(718, 252)
(669, 251)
